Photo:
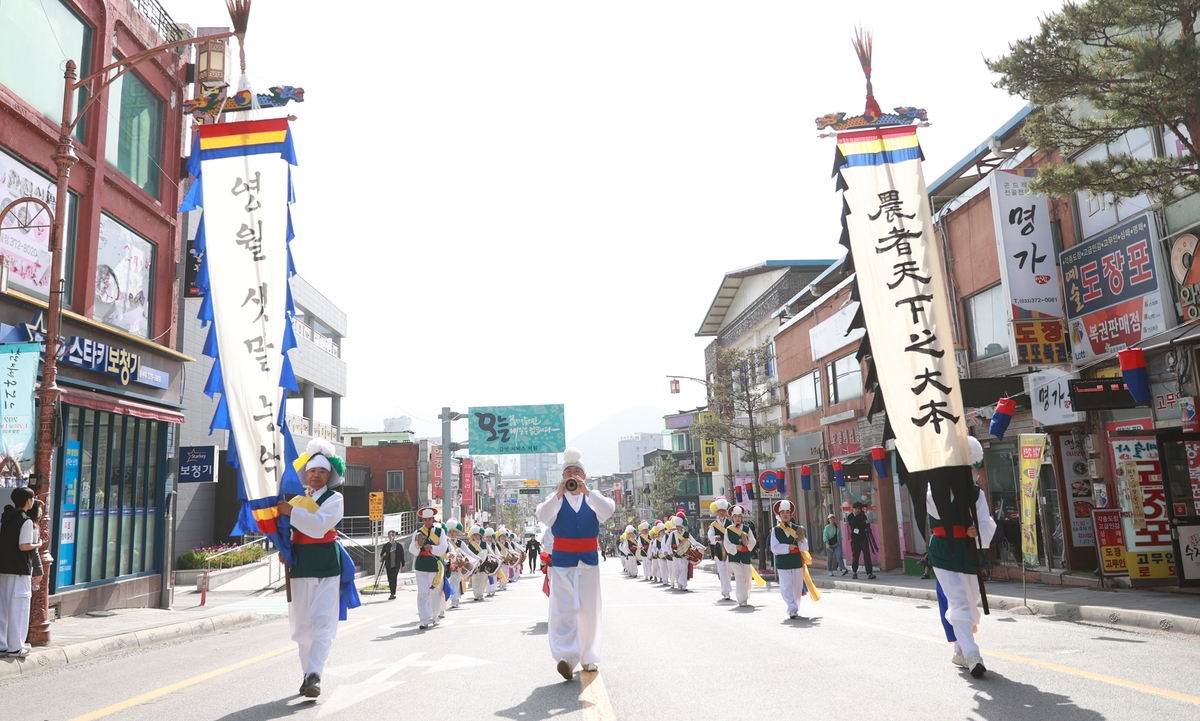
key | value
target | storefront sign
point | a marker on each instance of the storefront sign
(683, 420)
(435, 469)
(1110, 541)
(198, 464)
(831, 334)
(28, 250)
(1113, 296)
(708, 447)
(1189, 552)
(18, 375)
(1150, 554)
(468, 485)
(1026, 245)
(843, 439)
(1100, 394)
(1079, 491)
(1187, 275)
(1050, 397)
(92, 355)
(72, 453)
(1193, 462)
(1187, 413)
(807, 447)
(1038, 342)
(517, 429)
(1033, 447)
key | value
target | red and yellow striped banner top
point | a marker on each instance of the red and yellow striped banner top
(878, 146)
(244, 134)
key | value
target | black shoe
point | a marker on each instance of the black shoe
(870, 576)
(978, 670)
(311, 688)
(392, 597)
(844, 572)
(925, 577)
(855, 577)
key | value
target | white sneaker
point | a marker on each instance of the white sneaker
(958, 659)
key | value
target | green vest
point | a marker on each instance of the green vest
(317, 560)
(736, 533)
(787, 561)
(949, 553)
(430, 563)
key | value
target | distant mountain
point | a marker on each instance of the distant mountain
(599, 443)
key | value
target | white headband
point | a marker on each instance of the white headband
(318, 461)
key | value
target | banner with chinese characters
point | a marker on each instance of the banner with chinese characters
(900, 283)
(517, 429)
(708, 448)
(18, 422)
(1033, 449)
(1028, 269)
(244, 185)
(1113, 296)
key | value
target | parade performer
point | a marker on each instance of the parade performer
(628, 551)
(954, 552)
(682, 541)
(739, 541)
(574, 514)
(315, 577)
(477, 551)
(453, 528)
(427, 547)
(716, 539)
(663, 553)
(493, 578)
(643, 548)
(790, 546)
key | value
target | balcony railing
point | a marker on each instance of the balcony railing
(160, 20)
(308, 427)
(326, 344)
(298, 424)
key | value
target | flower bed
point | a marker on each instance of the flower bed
(198, 557)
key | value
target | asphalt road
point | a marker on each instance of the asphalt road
(666, 654)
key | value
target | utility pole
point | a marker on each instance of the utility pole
(448, 449)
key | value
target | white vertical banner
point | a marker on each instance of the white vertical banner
(1025, 243)
(246, 228)
(904, 299)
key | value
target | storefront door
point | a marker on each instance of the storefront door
(1180, 455)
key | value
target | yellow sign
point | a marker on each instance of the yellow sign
(532, 483)
(1033, 447)
(376, 506)
(708, 448)
(1039, 341)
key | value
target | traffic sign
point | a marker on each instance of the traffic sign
(533, 482)
(529, 491)
(375, 505)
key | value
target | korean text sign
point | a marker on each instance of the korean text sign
(1150, 553)
(708, 448)
(198, 464)
(517, 429)
(1113, 299)
(18, 373)
(1033, 448)
(1110, 541)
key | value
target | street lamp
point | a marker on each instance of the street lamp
(64, 158)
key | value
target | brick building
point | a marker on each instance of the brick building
(393, 469)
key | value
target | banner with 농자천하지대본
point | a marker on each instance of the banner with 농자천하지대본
(243, 184)
(900, 283)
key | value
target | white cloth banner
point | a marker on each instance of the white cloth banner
(1028, 263)
(245, 227)
(903, 294)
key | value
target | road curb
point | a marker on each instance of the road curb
(1102, 615)
(42, 659)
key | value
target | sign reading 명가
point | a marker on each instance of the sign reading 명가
(517, 429)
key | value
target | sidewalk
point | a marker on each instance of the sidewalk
(74, 639)
(1177, 611)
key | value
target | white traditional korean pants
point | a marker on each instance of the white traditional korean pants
(313, 617)
(16, 594)
(962, 607)
(723, 575)
(681, 572)
(455, 589)
(574, 623)
(429, 600)
(741, 575)
(791, 587)
(479, 584)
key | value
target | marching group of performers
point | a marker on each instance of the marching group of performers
(667, 552)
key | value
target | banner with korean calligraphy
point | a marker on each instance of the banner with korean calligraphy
(244, 185)
(1033, 449)
(18, 423)
(435, 470)
(468, 485)
(905, 305)
(708, 447)
(1113, 295)
(497, 430)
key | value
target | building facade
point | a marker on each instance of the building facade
(631, 449)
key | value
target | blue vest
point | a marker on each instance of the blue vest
(572, 524)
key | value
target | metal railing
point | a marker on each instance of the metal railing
(355, 525)
(297, 424)
(325, 343)
(227, 554)
(407, 522)
(157, 16)
(316, 429)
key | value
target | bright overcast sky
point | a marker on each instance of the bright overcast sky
(535, 202)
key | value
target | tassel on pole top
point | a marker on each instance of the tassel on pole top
(862, 42)
(873, 116)
(239, 15)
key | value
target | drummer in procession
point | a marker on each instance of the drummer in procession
(494, 583)
(661, 562)
(716, 539)
(739, 541)
(643, 547)
(427, 547)
(683, 541)
(455, 542)
(477, 552)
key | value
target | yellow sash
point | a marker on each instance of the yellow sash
(718, 526)
(437, 580)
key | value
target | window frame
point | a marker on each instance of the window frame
(969, 313)
(815, 376)
(112, 155)
(831, 371)
(390, 476)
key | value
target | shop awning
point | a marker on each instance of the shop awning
(112, 404)
(1178, 334)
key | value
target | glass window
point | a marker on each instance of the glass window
(83, 526)
(706, 484)
(845, 379)
(681, 442)
(124, 278)
(36, 39)
(100, 504)
(804, 394)
(152, 488)
(395, 481)
(987, 319)
(1100, 212)
(28, 251)
(133, 139)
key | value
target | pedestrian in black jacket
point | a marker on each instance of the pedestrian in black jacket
(532, 551)
(392, 556)
(861, 539)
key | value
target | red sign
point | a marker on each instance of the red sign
(1110, 541)
(435, 469)
(617, 494)
(468, 485)
(843, 439)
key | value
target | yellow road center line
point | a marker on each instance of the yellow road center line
(171, 688)
(595, 699)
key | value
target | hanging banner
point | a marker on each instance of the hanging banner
(468, 485)
(435, 470)
(244, 185)
(517, 429)
(1050, 397)
(708, 448)
(904, 300)
(17, 423)
(1149, 548)
(1079, 486)
(1033, 448)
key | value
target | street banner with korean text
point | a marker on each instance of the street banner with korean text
(1113, 296)
(1028, 269)
(435, 470)
(18, 423)
(244, 185)
(708, 447)
(1033, 449)
(498, 430)
(905, 305)
(1079, 487)
(468, 485)
(1149, 548)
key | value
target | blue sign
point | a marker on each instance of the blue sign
(769, 481)
(1115, 266)
(198, 464)
(517, 429)
(70, 501)
(92, 355)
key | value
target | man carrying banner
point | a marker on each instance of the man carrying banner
(716, 539)
(427, 547)
(739, 541)
(574, 515)
(315, 575)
